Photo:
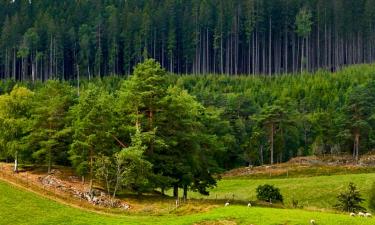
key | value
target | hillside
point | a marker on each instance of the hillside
(315, 187)
(199, 112)
(73, 39)
(18, 206)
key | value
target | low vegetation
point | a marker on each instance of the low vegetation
(269, 193)
(350, 200)
(372, 197)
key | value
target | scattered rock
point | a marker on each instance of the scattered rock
(55, 172)
(51, 181)
(73, 179)
(95, 196)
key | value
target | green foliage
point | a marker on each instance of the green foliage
(15, 122)
(50, 135)
(360, 108)
(172, 123)
(269, 193)
(92, 128)
(350, 200)
(191, 127)
(304, 23)
(137, 169)
(125, 169)
(371, 200)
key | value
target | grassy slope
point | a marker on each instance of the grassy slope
(315, 192)
(22, 207)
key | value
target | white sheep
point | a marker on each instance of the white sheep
(368, 215)
(249, 205)
(361, 214)
(352, 214)
(313, 222)
(226, 204)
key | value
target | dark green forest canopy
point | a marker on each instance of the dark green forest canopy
(69, 39)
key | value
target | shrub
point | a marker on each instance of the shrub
(296, 204)
(371, 203)
(350, 200)
(269, 193)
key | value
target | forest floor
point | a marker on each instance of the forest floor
(313, 182)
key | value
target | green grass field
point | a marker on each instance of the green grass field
(311, 192)
(22, 207)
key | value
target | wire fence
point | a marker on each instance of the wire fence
(24, 180)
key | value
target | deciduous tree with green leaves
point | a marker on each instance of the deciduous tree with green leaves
(15, 118)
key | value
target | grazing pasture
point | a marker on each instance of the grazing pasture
(18, 206)
(317, 192)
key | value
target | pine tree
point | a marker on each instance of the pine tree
(92, 130)
(360, 110)
(350, 200)
(50, 134)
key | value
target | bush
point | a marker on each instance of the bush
(371, 203)
(296, 204)
(350, 200)
(269, 193)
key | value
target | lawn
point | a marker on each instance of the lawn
(311, 192)
(22, 207)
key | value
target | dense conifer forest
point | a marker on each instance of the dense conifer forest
(71, 39)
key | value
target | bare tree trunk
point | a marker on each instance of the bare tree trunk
(14, 64)
(261, 155)
(185, 192)
(91, 169)
(16, 162)
(356, 146)
(270, 47)
(175, 191)
(272, 133)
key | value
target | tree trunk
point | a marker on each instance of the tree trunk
(270, 47)
(49, 161)
(175, 191)
(14, 64)
(272, 141)
(16, 162)
(185, 192)
(356, 146)
(91, 169)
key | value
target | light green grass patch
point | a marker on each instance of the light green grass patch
(313, 192)
(21, 207)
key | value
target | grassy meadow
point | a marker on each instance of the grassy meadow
(312, 192)
(22, 207)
